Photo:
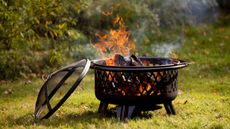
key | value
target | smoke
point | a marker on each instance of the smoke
(164, 49)
(202, 11)
(187, 11)
(179, 14)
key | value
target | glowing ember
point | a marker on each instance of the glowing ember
(116, 41)
(110, 62)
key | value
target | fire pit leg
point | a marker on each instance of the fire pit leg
(124, 111)
(169, 108)
(102, 108)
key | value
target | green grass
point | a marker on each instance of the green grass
(203, 102)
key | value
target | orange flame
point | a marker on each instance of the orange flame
(116, 41)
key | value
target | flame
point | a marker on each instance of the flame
(116, 41)
(110, 61)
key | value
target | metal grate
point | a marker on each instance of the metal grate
(155, 82)
(152, 83)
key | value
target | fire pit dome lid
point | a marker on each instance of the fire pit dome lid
(58, 87)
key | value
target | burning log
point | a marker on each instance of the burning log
(134, 61)
(120, 60)
(123, 90)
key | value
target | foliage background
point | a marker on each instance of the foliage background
(41, 35)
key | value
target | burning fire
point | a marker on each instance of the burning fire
(116, 41)
(113, 46)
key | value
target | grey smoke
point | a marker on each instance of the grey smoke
(165, 49)
(192, 12)
(188, 11)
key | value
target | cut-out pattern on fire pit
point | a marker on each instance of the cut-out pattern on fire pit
(155, 82)
(136, 83)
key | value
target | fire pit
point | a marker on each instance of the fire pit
(132, 86)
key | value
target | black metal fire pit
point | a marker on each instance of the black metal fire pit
(132, 88)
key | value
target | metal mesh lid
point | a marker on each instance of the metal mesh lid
(58, 87)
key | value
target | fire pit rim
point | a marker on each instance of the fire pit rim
(175, 64)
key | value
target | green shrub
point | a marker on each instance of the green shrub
(32, 33)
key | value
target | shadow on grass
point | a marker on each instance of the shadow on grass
(71, 119)
(88, 117)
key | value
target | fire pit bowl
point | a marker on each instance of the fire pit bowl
(153, 83)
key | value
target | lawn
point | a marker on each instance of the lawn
(203, 100)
